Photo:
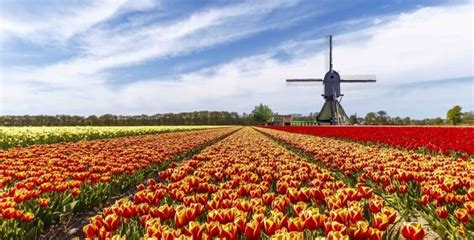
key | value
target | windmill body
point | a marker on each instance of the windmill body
(332, 111)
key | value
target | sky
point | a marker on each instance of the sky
(156, 56)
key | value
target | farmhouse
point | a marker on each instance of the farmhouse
(281, 120)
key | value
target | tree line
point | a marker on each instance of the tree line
(185, 118)
(261, 114)
(454, 116)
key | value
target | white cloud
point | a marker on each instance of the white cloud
(106, 48)
(53, 23)
(429, 43)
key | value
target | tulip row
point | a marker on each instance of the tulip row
(23, 136)
(248, 186)
(40, 183)
(440, 188)
(434, 139)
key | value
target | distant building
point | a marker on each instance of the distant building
(281, 120)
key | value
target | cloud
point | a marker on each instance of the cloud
(107, 48)
(426, 44)
(56, 22)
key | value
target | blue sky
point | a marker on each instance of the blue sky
(144, 56)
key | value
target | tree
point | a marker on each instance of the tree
(262, 114)
(370, 118)
(397, 121)
(454, 114)
(353, 119)
(407, 121)
(382, 117)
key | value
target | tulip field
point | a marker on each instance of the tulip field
(23, 136)
(243, 183)
(435, 139)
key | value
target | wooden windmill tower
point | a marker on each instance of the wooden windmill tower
(332, 111)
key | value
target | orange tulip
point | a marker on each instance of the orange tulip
(413, 231)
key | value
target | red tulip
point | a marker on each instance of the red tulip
(375, 205)
(336, 235)
(380, 221)
(228, 231)
(390, 213)
(28, 217)
(270, 226)
(212, 228)
(462, 215)
(90, 230)
(43, 202)
(253, 230)
(425, 199)
(111, 222)
(359, 230)
(313, 219)
(75, 192)
(295, 224)
(413, 231)
(442, 212)
(469, 207)
(194, 229)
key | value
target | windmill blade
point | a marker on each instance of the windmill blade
(304, 80)
(358, 78)
(328, 60)
(310, 82)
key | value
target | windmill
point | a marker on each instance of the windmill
(332, 111)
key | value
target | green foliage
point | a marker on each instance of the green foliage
(454, 114)
(353, 119)
(370, 118)
(261, 114)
